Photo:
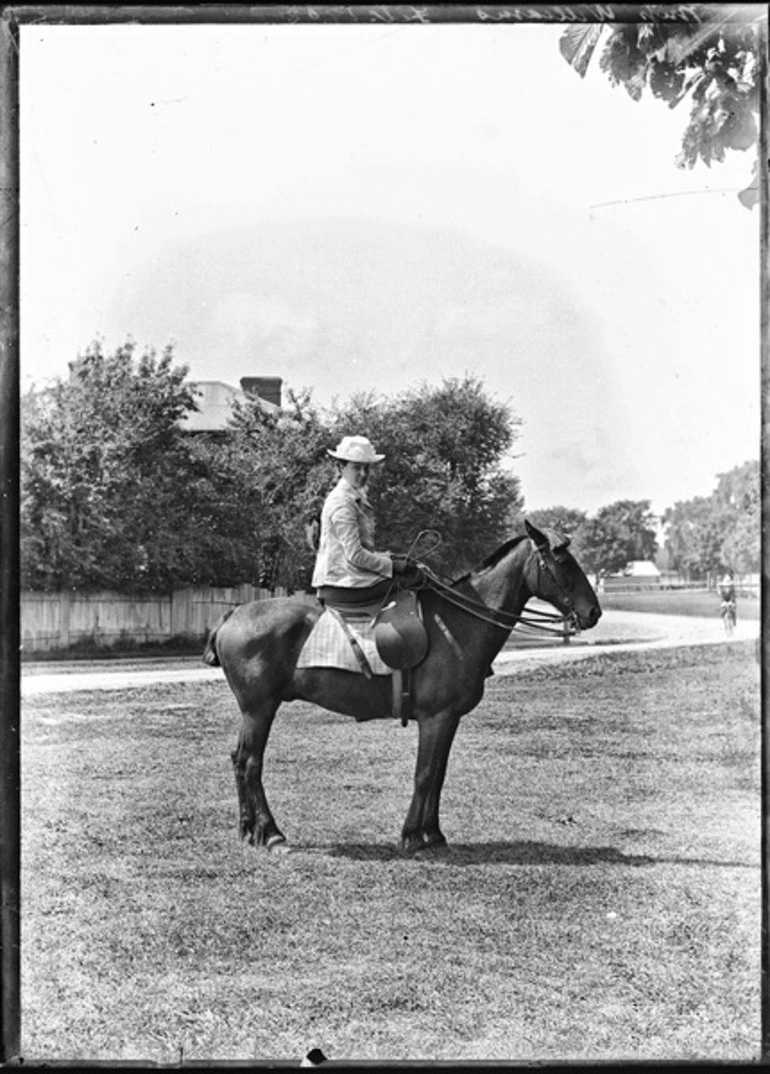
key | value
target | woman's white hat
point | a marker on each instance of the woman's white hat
(355, 449)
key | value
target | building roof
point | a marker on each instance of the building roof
(215, 402)
(642, 568)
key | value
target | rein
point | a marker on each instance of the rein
(534, 619)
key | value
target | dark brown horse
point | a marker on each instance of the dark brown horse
(468, 622)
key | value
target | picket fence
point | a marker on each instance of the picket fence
(60, 621)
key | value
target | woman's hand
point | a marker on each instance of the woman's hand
(407, 570)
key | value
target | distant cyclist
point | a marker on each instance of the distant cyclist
(728, 607)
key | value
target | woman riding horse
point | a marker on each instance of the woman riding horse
(467, 622)
(348, 570)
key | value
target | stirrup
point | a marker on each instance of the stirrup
(402, 695)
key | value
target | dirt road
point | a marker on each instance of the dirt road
(628, 631)
(616, 631)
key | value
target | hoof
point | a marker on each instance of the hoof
(432, 850)
(423, 845)
(277, 844)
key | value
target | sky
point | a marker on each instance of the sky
(369, 207)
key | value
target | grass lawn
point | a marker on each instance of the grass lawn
(600, 900)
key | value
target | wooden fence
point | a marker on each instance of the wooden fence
(745, 584)
(61, 621)
(52, 621)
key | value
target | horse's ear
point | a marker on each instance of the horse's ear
(538, 538)
(546, 538)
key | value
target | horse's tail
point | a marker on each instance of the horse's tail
(210, 655)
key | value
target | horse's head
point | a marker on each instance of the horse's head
(553, 574)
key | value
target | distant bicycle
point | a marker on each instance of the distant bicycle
(728, 616)
(727, 593)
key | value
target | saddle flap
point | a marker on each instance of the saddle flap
(399, 632)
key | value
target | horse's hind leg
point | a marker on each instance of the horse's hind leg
(256, 821)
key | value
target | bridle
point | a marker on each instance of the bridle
(569, 618)
(547, 622)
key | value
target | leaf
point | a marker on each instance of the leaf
(666, 82)
(577, 45)
(749, 196)
(684, 45)
(739, 131)
(693, 83)
(635, 84)
(720, 118)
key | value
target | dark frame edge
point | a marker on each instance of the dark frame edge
(10, 19)
(10, 791)
(379, 14)
(764, 209)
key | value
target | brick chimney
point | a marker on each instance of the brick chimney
(267, 388)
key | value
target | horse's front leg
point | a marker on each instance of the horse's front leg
(256, 822)
(421, 827)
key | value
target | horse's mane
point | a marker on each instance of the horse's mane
(494, 557)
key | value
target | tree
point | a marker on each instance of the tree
(740, 551)
(620, 532)
(738, 490)
(710, 534)
(630, 529)
(738, 493)
(694, 537)
(445, 468)
(223, 515)
(589, 538)
(102, 463)
(712, 62)
(444, 447)
(284, 474)
(590, 548)
(117, 496)
(569, 521)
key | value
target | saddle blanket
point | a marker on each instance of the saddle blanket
(328, 646)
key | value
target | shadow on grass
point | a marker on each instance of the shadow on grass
(515, 853)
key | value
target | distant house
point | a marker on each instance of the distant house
(643, 569)
(215, 402)
(639, 574)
